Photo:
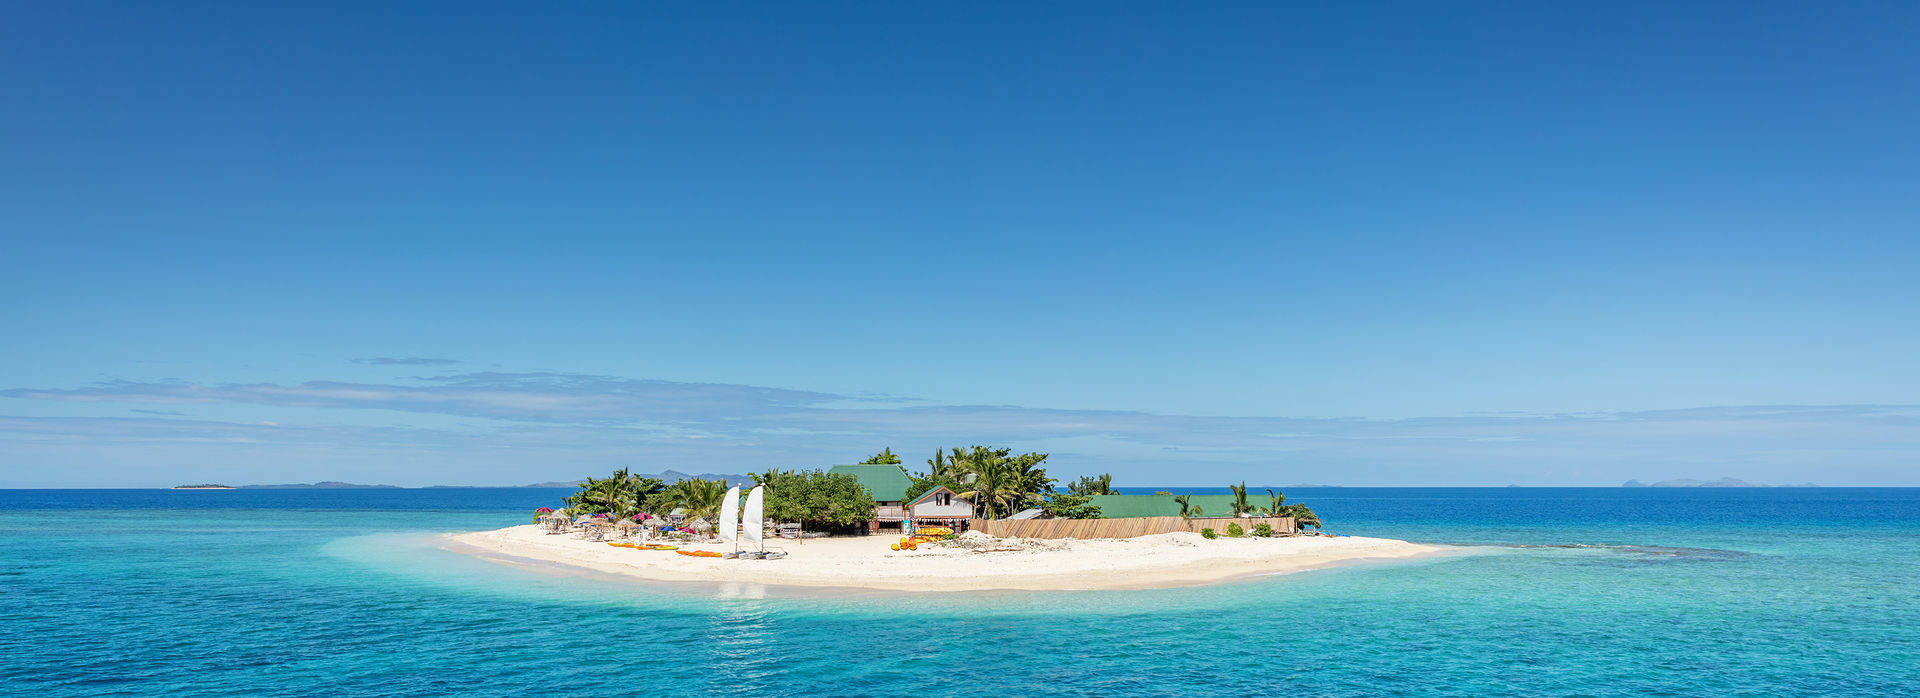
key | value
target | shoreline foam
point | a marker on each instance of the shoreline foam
(1149, 562)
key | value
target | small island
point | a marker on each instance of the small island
(978, 519)
(1722, 482)
(205, 487)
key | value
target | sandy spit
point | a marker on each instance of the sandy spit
(1167, 560)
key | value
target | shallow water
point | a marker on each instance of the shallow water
(1567, 591)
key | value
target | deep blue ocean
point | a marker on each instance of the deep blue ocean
(1598, 592)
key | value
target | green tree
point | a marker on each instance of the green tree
(1187, 510)
(884, 457)
(1278, 504)
(1061, 505)
(785, 498)
(1093, 484)
(941, 465)
(992, 490)
(815, 498)
(620, 495)
(1240, 504)
(700, 498)
(1302, 516)
(995, 480)
(836, 499)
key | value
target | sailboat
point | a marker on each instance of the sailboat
(730, 519)
(755, 527)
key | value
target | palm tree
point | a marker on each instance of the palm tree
(1030, 482)
(944, 465)
(994, 480)
(1093, 484)
(701, 498)
(618, 493)
(884, 457)
(1187, 511)
(1240, 504)
(993, 488)
(1279, 502)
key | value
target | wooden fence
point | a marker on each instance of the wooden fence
(1121, 528)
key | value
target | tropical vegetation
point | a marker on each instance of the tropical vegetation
(1187, 508)
(998, 482)
(1240, 504)
(624, 494)
(815, 498)
(1302, 516)
(886, 456)
(1067, 505)
(1093, 484)
(620, 495)
(699, 499)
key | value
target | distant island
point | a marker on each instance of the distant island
(204, 487)
(732, 479)
(323, 485)
(1722, 482)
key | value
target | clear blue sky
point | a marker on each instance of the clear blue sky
(1187, 243)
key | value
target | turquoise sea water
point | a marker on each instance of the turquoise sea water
(1561, 592)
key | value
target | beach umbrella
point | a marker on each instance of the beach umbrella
(543, 510)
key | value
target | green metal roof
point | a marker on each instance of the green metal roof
(1128, 506)
(888, 483)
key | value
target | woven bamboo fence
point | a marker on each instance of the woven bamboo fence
(1121, 528)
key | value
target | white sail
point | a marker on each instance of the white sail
(730, 515)
(752, 517)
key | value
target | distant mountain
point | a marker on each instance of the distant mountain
(1722, 482)
(323, 485)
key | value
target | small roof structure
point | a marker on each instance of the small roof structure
(1025, 514)
(937, 490)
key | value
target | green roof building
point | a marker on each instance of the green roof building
(1128, 506)
(887, 483)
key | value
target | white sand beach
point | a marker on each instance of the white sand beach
(1166, 560)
